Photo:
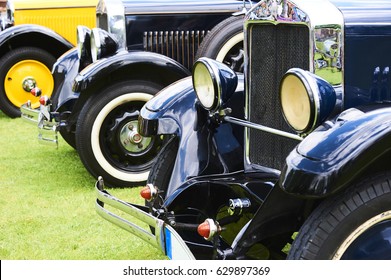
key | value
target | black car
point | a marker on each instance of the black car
(290, 160)
(139, 48)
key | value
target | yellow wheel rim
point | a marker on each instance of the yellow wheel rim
(27, 70)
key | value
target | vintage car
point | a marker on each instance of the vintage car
(138, 48)
(305, 173)
(34, 34)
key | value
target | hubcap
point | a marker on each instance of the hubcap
(122, 145)
(19, 82)
(131, 140)
(28, 84)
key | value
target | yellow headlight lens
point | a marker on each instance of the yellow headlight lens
(295, 103)
(204, 86)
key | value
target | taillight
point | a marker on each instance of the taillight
(149, 192)
(36, 91)
(208, 229)
(44, 100)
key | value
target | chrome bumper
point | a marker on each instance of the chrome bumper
(47, 129)
(165, 237)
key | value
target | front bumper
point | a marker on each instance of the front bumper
(47, 127)
(165, 237)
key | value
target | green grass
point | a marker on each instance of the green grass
(47, 204)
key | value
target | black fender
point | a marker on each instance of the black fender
(338, 152)
(64, 72)
(35, 36)
(127, 65)
(204, 147)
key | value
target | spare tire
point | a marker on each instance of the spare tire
(225, 43)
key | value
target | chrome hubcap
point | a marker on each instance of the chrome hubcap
(28, 84)
(131, 140)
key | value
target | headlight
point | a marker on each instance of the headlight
(306, 100)
(84, 43)
(213, 82)
(103, 44)
(7, 15)
(110, 16)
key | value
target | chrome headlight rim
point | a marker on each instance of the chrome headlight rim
(103, 44)
(214, 102)
(83, 42)
(320, 94)
(311, 93)
(8, 19)
(95, 45)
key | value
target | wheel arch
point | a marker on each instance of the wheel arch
(30, 35)
(134, 65)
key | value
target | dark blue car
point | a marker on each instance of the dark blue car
(291, 159)
(139, 48)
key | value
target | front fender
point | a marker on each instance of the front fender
(337, 153)
(64, 72)
(203, 148)
(33, 35)
(132, 64)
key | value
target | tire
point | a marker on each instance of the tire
(161, 170)
(225, 43)
(25, 64)
(350, 226)
(69, 137)
(106, 134)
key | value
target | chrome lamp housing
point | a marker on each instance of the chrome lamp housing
(306, 100)
(84, 45)
(213, 82)
(7, 16)
(103, 44)
(110, 16)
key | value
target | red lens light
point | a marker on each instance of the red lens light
(36, 92)
(204, 229)
(146, 193)
(43, 100)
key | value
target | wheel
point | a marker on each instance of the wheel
(106, 134)
(21, 70)
(161, 170)
(225, 43)
(356, 225)
(69, 137)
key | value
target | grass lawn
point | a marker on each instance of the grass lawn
(47, 204)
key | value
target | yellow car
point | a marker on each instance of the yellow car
(34, 33)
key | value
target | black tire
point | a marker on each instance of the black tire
(105, 129)
(346, 226)
(161, 170)
(13, 72)
(225, 43)
(69, 137)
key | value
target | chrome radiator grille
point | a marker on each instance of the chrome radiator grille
(272, 49)
(179, 45)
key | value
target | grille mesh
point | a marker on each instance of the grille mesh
(273, 49)
(179, 45)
